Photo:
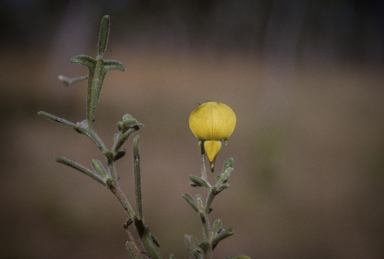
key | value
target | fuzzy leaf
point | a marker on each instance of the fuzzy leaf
(58, 119)
(216, 227)
(199, 182)
(191, 244)
(112, 65)
(228, 163)
(104, 34)
(80, 168)
(223, 234)
(191, 201)
(146, 238)
(98, 166)
(132, 251)
(70, 81)
(119, 154)
(85, 61)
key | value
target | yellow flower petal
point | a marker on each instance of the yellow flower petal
(212, 147)
(212, 121)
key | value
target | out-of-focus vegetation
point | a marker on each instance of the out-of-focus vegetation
(305, 79)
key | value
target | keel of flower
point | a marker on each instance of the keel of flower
(212, 147)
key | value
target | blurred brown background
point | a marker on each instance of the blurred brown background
(305, 79)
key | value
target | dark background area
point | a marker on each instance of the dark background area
(305, 79)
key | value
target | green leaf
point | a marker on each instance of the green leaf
(103, 35)
(228, 163)
(194, 185)
(119, 154)
(198, 254)
(132, 251)
(190, 201)
(223, 234)
(70, 81)
(112, 65)
(119, 125)
(199, 182)
(225, 175)
(80, 168)
(199, 202)
(98, 166)
(58, 119)
(146, 238)
(127, 124)
(127, 116)
(154, 239)
(171, 256)
(122, 138)
(85, 61)
(191, 244)
(216, 227)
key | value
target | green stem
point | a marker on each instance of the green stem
(112, 170)
(206, 226)
(203, 168)
(136, 167)
(115, 189)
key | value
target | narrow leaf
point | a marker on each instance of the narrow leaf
(58, 119)
(104, 34)
(70, 81)
(98, 166)
(216, 227)
(191, 201)
(119, 154)
(132, 251)
(223, 234)
(155, 240)
(191, 244)
(228, 163)
(200, 182)
(199, 202)
(70, 163)
(198, 254)
(225, 175)
(146, 238)
(85, 61)
(112, 65)
(126, 124)
(121, 140)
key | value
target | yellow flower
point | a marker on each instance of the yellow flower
(211, 122)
